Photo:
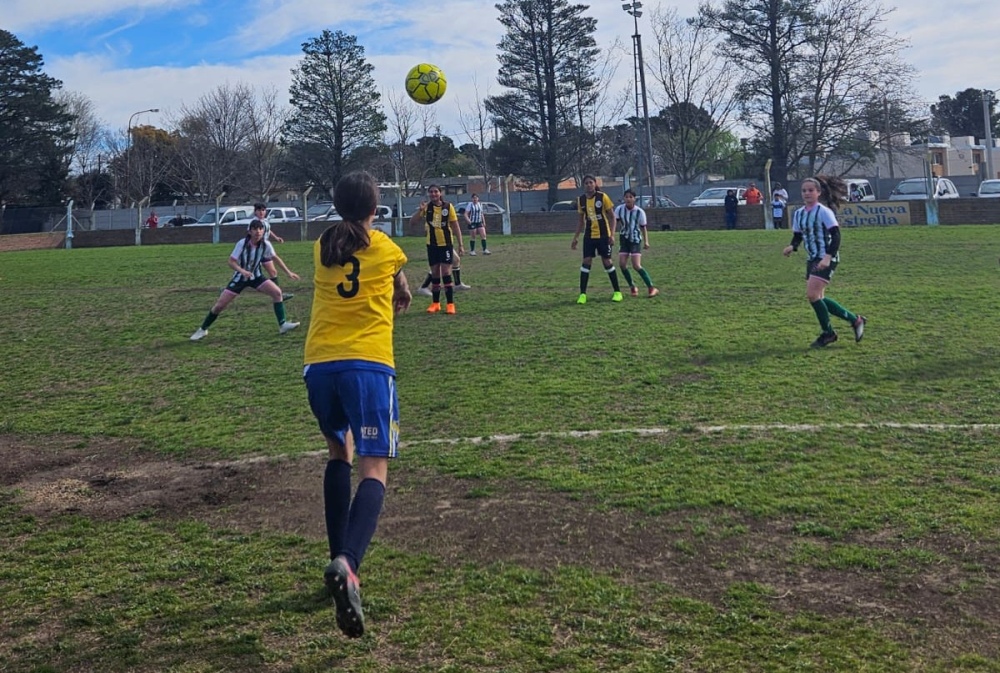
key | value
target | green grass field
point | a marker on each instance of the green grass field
(735, 501)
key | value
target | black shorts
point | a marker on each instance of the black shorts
(826, 274)
(627, 247)
(476, 225)
(440, 255)
(597, 247)
(237, 286)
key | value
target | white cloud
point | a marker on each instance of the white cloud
(33, 15)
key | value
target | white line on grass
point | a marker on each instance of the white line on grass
(648, 432)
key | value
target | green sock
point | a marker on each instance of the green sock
(823, 315)
(627, 276)
(836, 309)
(279, 311)
(209, 319)
(645, 277)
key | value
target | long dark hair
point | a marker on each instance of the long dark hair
(832, 190)
(355, 198)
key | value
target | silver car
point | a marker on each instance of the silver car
(915, 189)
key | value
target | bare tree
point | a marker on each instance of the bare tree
(407, 122)
(214, 135)
(477, 125)
(265, 120)
(854, 60)
(86, 160)
(696, 91)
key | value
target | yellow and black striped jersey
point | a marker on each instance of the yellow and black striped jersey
(437, 223)
(593, 210)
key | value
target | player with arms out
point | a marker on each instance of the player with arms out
(250, 254)
(597, 217)
(351, 380)
(815, 225)
(633, 238)
(443, 237)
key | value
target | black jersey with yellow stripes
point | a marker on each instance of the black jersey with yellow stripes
(593, 209)
(437, 224)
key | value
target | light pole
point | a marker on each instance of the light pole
(987, 100)
(635, 9)
(887, 128)
(128, 151)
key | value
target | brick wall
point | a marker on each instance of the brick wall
(12, 242)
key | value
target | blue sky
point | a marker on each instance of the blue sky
(129, 55)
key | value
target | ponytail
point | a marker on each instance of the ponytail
(341, 241)
(832, 190)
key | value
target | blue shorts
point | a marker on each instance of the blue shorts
(357, 395)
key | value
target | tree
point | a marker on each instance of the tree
(35, 134)
(87, 145)
(696, 92)
(408, 120)
(265, 119)
(476, 124)
(213, 137)
(547, 64)
(963, 114)
(763, 39)
(335, 108)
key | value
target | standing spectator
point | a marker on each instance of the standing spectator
(633, 238)
(778, 212)
(752, 195)
(476, 220)
(152, 222)
(780, 193)
(731, 203)
(597, 217)
(246, 261)
(815, 224)
(442, 235)
(350, 376)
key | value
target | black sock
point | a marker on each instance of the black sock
(584, 278)
(365, 510)
(427, 281)
(336, 503)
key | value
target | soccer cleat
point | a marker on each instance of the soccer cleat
(463, 286)
(859, 327)
(582, 299)
(472, 252)
(487, 252)
(450, 309)
(343, 585)
(426, 291)
(285, 296)
(435, 307)
(653, 292)
(617, 296)
(634, 291)
(824, 340)
(199, 334)
(287, 326)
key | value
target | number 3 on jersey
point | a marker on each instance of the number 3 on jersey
(348, 291)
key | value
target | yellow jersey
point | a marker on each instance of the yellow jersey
(593, 210)
(437, 223)
(352, 312)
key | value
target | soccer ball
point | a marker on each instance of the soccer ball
(425, 83)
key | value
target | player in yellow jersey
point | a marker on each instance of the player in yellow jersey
(597, 219)
(351, 379)
(444, 236)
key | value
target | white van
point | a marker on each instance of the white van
(859, 189)
(277, 215)
(227, 215)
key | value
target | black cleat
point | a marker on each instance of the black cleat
(824, 340)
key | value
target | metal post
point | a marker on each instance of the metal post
(69, 224)
(506, 204)
(888, 137)
(304, 227)
(989, 135)
(645, 115)
(218, 223)
(128, 150)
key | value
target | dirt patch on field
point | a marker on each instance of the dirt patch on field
(463, 521)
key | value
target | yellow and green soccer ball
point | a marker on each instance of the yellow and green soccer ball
(425, 83)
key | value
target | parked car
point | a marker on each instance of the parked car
(489, 208)
(989, 189)
(276, 215)
(326, 212)
(859, 189)
(660, 202)
(227, 215)
(563, 205)
(716, 196)
(914, 189)
(179, 220)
